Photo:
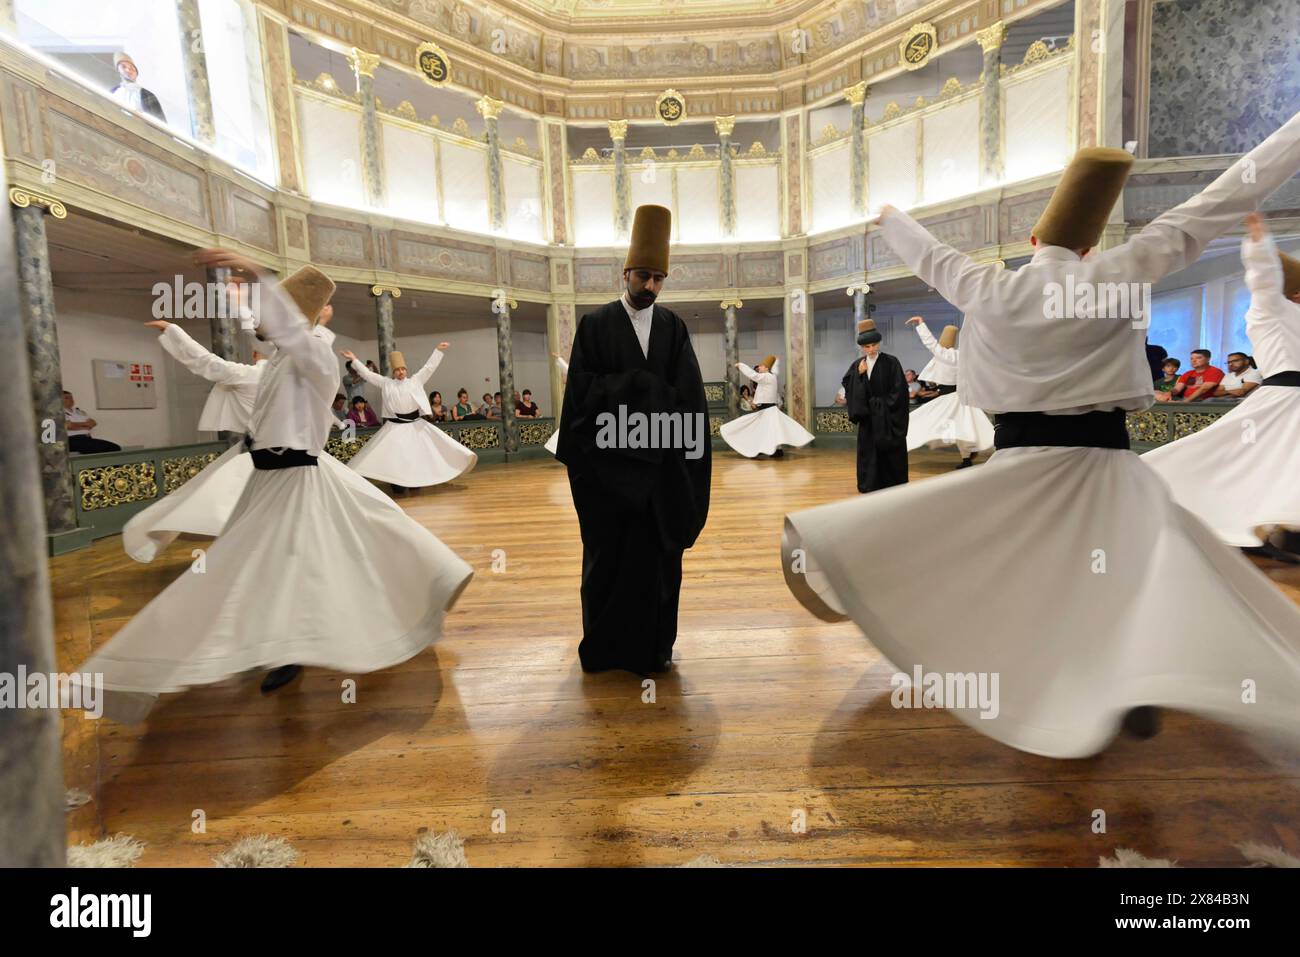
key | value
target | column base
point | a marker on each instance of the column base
(60, 543)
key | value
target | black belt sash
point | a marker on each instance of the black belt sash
(269, 460)
(946, 389)
(1289, 378)
(1095, 430)
(402, 418)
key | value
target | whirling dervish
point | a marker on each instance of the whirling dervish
(767, 428)
(1060, 555)
(409, 451)
(946, 420)
(203, 505)
(278, 589)
(1251, 489)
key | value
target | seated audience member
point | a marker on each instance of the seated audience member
(485, 410)
(130, 93)
(79, 426)
(927, 392)
(340, 407)
(840, 398)
(913, 385)
(1243, 377)
(746, 399)
(526, 408)
(462, 410)
(1200, 381)
(496, 406)
(1164, 386)
(362, 414)
(436, 412)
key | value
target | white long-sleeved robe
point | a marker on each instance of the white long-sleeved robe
(946, 419)
(280, 585)
(410, 454)
(229, 405)
(1064, 568)
(767, 390)
(1241, 475)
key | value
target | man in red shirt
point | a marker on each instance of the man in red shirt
(1200, 381)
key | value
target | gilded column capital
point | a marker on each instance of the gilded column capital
(22, 198)
(363, 63)
(727, 303)
(618, 130)
(991, 38)
(724, 125)
(856, 93)
(488, 108)
(379, 290)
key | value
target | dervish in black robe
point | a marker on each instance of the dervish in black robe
(878, 406)
(638, 509)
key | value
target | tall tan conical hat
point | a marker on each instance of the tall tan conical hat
(1080, 207)
(948, 338)
(867, 332)
(311, 290)
(652, 229)
(1290, 275)
(396, 361)
(769, 362)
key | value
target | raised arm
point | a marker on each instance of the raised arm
(956, 277)
(1264, 278)
(776, 368)
(930, 342)
(357, 366)
(746, 371)
(1176, 239)
(194, 357)
(426, 370)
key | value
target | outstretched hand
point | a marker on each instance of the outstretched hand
(348, 355)
(444, 346)
(159, 324)
(915, 321)
(1256, 228)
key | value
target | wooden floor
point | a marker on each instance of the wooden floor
(769, 714)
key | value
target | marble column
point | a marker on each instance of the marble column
(859, 294)
(725, 125)
(277, 83)
(991, 164)
(490, 110)
(31, 766)
(363, 68)
(195, 62)
(8, 18)
(622, 189)
(731, 337)
(857, 95)
(506, 370)
(223, 325)
(799, 356)
(384, 296)
(36, 290)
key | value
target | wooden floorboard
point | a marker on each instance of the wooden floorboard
(769, 717)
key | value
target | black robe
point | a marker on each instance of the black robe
(878, 405)
(638, 509)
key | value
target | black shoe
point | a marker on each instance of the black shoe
(966, 463)
(1271, 551)
(277, 679)
(1143, 722)
(779, 454)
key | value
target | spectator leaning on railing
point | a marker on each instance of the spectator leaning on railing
(1200, 381)
(1243, 377)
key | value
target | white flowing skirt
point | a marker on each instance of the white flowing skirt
(1241, 475)
(762, 433)
(949, 421)
(413, 455)
(201, 506)
(1071, 575)
(315, 567)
